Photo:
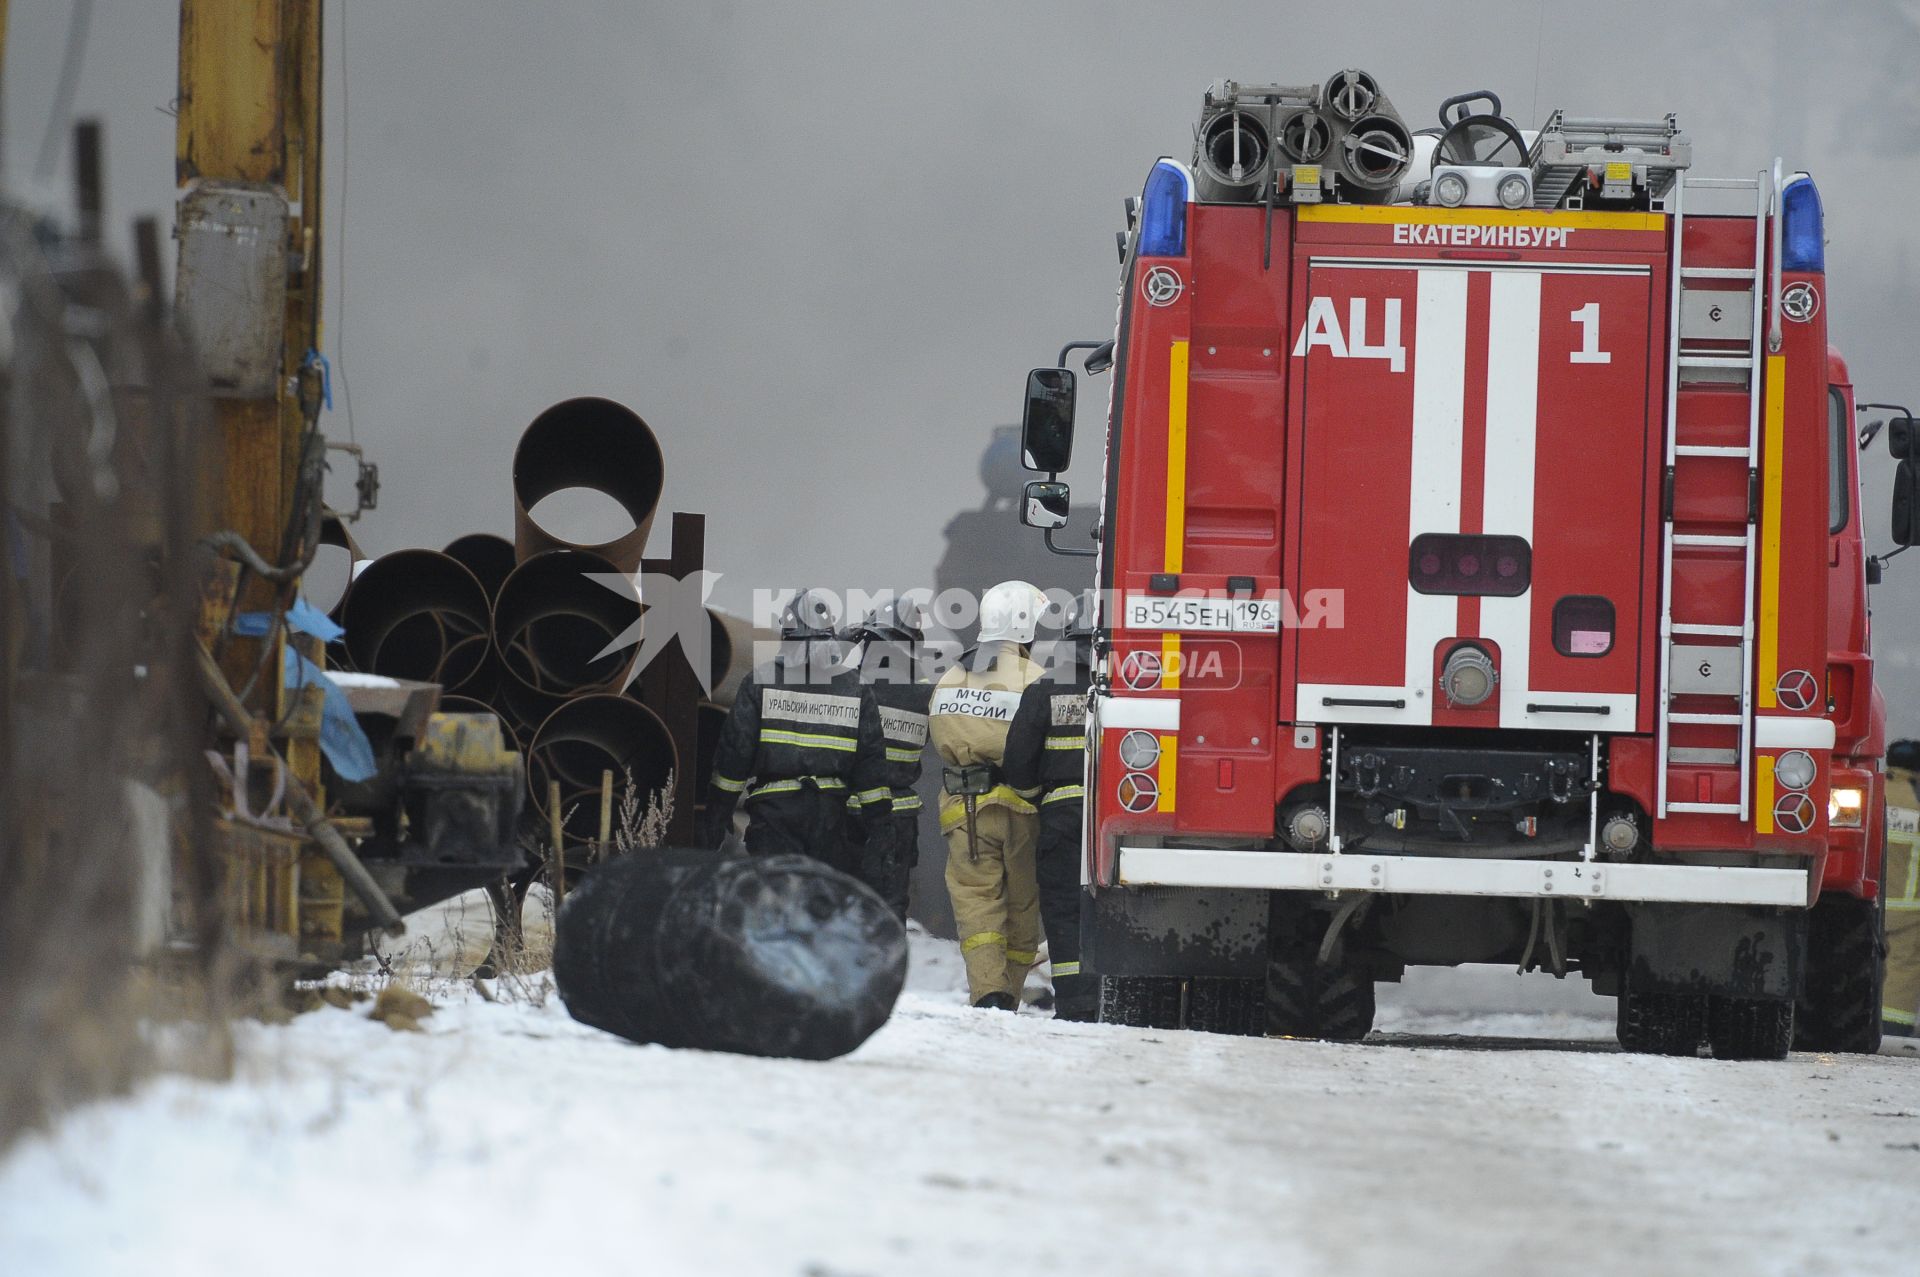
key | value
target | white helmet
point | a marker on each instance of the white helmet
(1010, 612)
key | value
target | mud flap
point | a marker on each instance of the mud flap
(1174, 931)
(1719, 950)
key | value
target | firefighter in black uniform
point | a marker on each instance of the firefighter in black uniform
(802, 745)
(1047, 748)
(891, 639)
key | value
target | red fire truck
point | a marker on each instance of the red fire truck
(1482, 581)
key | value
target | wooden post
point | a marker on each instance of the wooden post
(669, 687)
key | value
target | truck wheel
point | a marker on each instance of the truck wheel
(1307, 998)
(1651, 1022)
(1839, 1008)
(1226, 1005)
(1140, 1001)
(1749, 1028)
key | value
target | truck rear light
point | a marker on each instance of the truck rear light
(1163, 210)
(1803, 234)
(1469, 676)
(1450, 563)
(1138, 792)
(1139, 750)
(1794, 813)
(1795, 769)
(1846, 808)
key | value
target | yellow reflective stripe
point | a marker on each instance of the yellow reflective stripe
(1023, 955)
(729, 786)
(1065, 793)
(1771, 449)
(865, 796)
(910, 803)
(1897, 1017)
(794, 786)
(898, 755)
(1066, 742)
(1176, 541)
(1903, 906)
(807, 740)
(1387, 214)
(1169, 745)
(1066, 968)
(1763, 798)
(981, 938)
(1170, 661)
(953, 810)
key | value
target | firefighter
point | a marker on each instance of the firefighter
(891, 637)
(801, 745)
(991, 828)
(1900, 999)
(1047, 749)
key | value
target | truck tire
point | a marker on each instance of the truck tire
(1651, 1022)
(1140, 1001)
(1225, 1005)
(1307, 998)
(1749, 1028)
(1839, 1008)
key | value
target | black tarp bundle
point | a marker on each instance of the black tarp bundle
(773, 956)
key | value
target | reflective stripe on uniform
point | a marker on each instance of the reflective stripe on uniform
(1897, 1017)
(897, 755)
(1022, 955)
(795, 786)
(908, 802)
(981, 938)
(1066, 968)
(807, 740)
(1065, 793)
(953, 810)
(865, 796)
(1066, 742)
(727, 786)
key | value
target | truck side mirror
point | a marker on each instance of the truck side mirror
(1903, 433)
(1906, 503)
(1045, 505)
(1046, 424)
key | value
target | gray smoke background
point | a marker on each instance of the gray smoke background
(817, 246)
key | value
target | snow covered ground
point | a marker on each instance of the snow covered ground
(1508, 1137)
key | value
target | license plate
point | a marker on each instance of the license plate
(1220, 616)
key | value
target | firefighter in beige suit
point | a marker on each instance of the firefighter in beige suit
(1900, 998)
(992, 830)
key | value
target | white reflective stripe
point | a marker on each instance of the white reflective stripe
(1777, 731)
(903, 725)
(976, 702)
(1565, 711)
(1360, 703)
(1439, 410)
(1153, 713)
(1450, 876)
(1513, 407)
(810, 707)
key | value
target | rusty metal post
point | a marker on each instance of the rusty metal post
(606, 816)
(557, 854)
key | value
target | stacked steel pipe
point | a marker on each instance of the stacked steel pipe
(542, 631)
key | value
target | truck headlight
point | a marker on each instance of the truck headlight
(1450, 190)
(1795, 769)
(1515, 191)
(1846, 807)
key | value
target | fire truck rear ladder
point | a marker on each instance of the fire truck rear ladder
(1711, 364)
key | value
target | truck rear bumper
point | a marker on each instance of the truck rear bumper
(1453, 876)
